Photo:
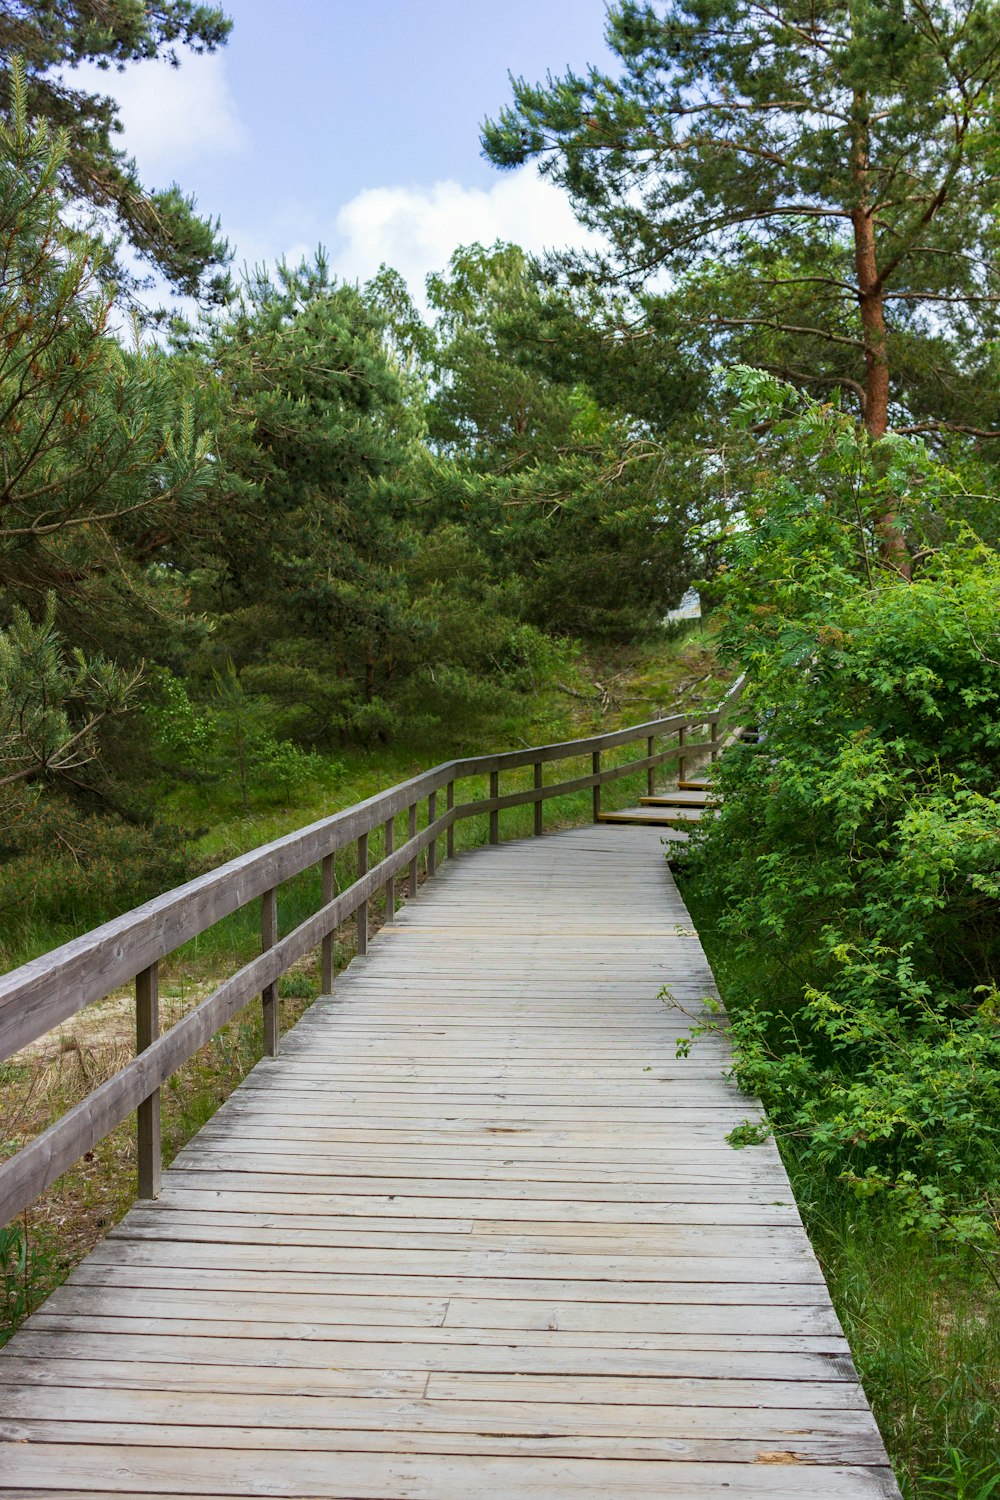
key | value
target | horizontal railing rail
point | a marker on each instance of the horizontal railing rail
(46, 992)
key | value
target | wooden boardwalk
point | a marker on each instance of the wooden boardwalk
(475, 1233)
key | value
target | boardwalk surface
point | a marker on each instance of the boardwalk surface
(476, 1233)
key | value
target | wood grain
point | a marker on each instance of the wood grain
(477, 1230)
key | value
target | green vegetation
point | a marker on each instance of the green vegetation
(162, 228)
(819, 180)
(317, 541)
(921, 1312)
(312, 529)
(847, 891)
(858, 846)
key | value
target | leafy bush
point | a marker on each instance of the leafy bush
(227, 740)
(857, 852)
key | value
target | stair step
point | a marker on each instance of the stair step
(671, 811)
(678, 799)
(651, 815)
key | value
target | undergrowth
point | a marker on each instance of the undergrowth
(921, 1311)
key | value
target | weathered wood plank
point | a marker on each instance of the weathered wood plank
(476, 1230)
(356, 1476)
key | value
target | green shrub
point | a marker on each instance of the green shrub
(857, 852)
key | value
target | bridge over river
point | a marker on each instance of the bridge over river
(473, 1229)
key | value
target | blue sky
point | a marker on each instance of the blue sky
(357, 124)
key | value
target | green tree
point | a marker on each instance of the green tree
(567, 496)
(819, 182)
(302, 551)
(163, 227)
(52, 706)
(98, 457)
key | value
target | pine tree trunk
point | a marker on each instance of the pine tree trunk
(871, 302)
(872, 325)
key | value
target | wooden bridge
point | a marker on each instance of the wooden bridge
(476, 1231)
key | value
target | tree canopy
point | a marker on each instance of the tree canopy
(161, 225)
(818, 185)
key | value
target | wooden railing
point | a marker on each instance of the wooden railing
(45, 992)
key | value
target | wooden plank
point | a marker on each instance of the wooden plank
(664, 818)
(302, 1319)
(798, 1269)
(478, 1229)
(550, 1291)
(777, 1373)
(481, 1438)
(356, 1476)
(777, 1425)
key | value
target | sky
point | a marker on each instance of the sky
(355, 124)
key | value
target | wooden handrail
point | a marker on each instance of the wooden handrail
(47, 991)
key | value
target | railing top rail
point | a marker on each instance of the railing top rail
(47, 990)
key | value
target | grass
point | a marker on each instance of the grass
(922, 1316)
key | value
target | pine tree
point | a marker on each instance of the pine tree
(819, 182)
(565, 495)
(98, 457)
(52, 706)
(163, 227)
(303, 549)
(100, 466)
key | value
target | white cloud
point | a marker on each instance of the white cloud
(416, 229)
(170, 115)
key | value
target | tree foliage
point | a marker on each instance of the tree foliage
(99, 461)
(856, 857)
(819, 184)
(573, 498)
(162, 226)
(52, 707)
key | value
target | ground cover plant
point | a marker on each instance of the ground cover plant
(921, 1313)
(861, 833)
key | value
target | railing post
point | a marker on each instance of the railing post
(147, 1029)
(595, 761)
(450, 838)
(650, 770)
(681, 757)
(269, 995)
(715, 741)
(413, 861)
(538, 804)
(495, 814)
(329, 891)
(363, 908)
(432, 848)
(390, 885)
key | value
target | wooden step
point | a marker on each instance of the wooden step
(671, 812)
(654, 815)
(695, 784)
(695, 800)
